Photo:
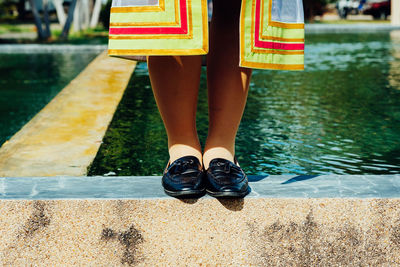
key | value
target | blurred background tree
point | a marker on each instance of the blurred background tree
(82, 14)
(314, 8)
(105, 14)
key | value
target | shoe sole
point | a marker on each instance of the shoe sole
(186, 193)
(229, 194)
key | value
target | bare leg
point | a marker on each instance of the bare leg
(227, 82)
(175, 83)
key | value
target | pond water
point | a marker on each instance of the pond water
(341, 115)
(28, 81)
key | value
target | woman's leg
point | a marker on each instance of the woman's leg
(175, 83)
(227, 82)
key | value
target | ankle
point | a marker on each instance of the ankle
(179, 150)
(217, 152)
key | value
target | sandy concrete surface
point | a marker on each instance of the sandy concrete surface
(63, 138)
(206, 232)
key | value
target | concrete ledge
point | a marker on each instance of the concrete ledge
(43, 48)
(143, 187)
(350, 28)
(277, 225)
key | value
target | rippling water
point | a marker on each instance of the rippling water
(339, 116)
(29, 81)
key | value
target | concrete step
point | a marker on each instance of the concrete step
(129, 221)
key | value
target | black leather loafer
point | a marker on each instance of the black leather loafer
(184, 178)
(226, 179)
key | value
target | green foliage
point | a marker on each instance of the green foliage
(96, 35)
(13, 28)
(6, 7)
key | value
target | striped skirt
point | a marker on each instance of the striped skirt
(271, 31)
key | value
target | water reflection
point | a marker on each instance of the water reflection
(394, 72)
(29, 81)
(340, 116)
